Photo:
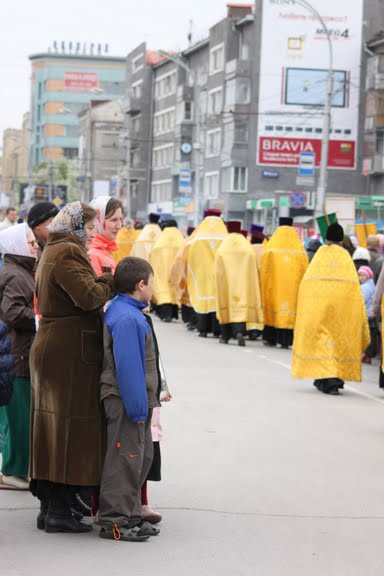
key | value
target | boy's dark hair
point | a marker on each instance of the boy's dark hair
(129, 272)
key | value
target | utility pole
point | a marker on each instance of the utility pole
(50, 177)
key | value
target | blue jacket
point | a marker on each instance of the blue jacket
(368, 290)
(129, 329)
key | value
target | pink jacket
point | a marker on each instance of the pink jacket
(157, 431)
(100, 254)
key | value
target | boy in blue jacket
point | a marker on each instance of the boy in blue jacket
(130, 389)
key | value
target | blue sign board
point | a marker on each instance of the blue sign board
(307, 164)
(271, 174)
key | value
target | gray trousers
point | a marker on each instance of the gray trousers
(126, 466)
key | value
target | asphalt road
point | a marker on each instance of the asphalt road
(262, 475)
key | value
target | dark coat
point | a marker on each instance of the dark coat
(7, 366)
(66, 359)
(17, 286)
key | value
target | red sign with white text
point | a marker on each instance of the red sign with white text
(80, 81)
(286, 151)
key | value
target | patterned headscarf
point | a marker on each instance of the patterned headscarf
(70, 220)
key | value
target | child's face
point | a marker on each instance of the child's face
(146, 290)
(362, 277)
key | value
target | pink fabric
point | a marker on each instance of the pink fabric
(100, 254)
(157, 431)
(366, 270)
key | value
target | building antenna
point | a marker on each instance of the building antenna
(190, 32)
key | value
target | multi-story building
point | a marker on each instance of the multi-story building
(61, 86)
(373, 166)
(224, 122)
(12, 151)
(100, 152)
(137, 136)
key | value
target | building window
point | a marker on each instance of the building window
(165, 85)
(138, 63)
(163, 156)
(39, 113)
(40, 90)
(161, 191)
(136, 124)
(216, 61)
(230, 93)
(70, 153)
(213, 142)
(243, 90)
(134, 157)
(165, 121)
(241, 134)
(215, 101)
(136, 90)
(211, 189)
(187, 110)
(239, 180)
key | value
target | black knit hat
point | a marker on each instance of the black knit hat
(40, 212)
(335, 233)
(154, 218)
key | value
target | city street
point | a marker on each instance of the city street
(262, 475)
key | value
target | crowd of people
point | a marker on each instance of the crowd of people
(81, 377)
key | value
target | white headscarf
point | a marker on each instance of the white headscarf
(100, 205)
(13, 240)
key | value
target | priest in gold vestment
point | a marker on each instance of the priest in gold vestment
(147, 238)
(238, 300)
(201, 251)
(331, 331)
(161, 258)
(283, 264)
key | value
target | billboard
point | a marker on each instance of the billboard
(293, 82)
(80, 81)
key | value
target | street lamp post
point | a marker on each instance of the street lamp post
(323, 175)
(183, 64)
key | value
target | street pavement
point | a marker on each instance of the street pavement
(262, 475)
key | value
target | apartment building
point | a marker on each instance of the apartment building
(101, 156)
(223, 123)
(62, 84)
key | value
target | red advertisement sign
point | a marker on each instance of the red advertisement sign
(286, 151)
(80, 81)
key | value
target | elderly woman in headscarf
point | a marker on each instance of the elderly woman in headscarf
(17, 285)
(109, 221)
(66, 447)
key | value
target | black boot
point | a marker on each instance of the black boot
(59, 517)
(40, 522)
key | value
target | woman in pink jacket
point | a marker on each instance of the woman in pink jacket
(109, 222)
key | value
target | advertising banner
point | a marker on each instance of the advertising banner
(80, 81)
(293, 81)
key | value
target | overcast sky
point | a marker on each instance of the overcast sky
(32, 26)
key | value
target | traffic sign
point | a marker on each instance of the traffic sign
(305, 181)
(307, 163)
(185, 181)
(297, 199)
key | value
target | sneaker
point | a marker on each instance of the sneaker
(135, 534)
(14, 482)
(150, 515)
(148, 529)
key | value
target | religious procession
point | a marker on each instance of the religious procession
(82, 380)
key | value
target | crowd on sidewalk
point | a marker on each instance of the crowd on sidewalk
(81, 377)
